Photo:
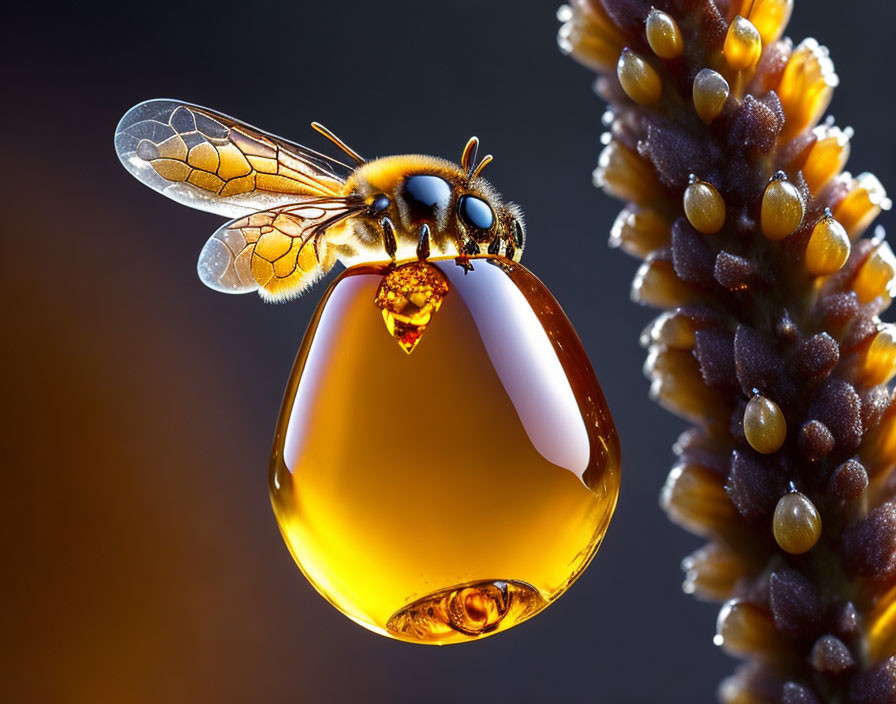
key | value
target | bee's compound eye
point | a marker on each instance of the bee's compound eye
(475, 213)
(380, 203)
(424, 191)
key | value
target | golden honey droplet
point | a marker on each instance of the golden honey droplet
(743, 45)
(782, 209)
(409, 296)
(770, 17)
(663, 35)
(704, 207)
(876, 276)
(638, 78)
(880, 359)
(710, 93)
(828, 247)
(796, 524)
(764, 425)
(449, 494)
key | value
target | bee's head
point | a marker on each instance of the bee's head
(494, 226)
(482, 216)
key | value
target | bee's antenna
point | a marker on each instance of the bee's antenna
(486, 160)
(338, 142)
(468, 158)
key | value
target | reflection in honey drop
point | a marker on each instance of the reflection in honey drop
(409, 295)
(466, 611)
(444, 495)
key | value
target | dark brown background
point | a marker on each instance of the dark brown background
(141, 561)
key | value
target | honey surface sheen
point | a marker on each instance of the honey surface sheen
(448, 492)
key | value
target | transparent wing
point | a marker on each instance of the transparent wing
(278, 252)
(215, 163)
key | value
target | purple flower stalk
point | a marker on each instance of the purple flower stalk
(756, 243)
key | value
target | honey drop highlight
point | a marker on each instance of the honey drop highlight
(449, 474)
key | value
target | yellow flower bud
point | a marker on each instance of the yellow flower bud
(880, 359)
(806, 87)
(770, 17)
(876, 275)
(743, 45)
(866, 198)
(827, 157)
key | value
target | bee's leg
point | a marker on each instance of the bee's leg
(389, 243)
(423, 243)
(494, 247)
(467, 248)
(509, 249)
(470, 248)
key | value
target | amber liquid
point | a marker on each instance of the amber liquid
(452, 492)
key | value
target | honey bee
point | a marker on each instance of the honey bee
(297, 211)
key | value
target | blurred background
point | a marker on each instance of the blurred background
(141, 559)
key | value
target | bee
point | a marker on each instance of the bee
(296, 211)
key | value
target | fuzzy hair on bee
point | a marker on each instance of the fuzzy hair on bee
(296, 212)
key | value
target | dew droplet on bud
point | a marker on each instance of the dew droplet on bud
(638, 78)
(828, 247)
(782, 209)
(663, 35)
(710, 93)
(746, 629)
(764, 425)
(796, 524)
(704, 207)
(743, 45)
